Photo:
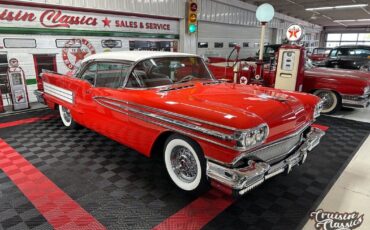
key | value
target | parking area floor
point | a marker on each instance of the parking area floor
(53, 177)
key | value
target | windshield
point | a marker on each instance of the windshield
(167, 71)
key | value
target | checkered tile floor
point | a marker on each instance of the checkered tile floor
(124, 190)
(16, 211)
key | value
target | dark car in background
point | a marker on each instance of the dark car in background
(349, 57)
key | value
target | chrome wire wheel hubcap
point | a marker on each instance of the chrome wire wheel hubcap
(66, 114)
(327, 98)
(184, 164)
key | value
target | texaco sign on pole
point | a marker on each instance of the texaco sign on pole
(294, 33)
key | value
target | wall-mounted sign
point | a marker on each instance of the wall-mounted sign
(68, 43)
(73, 56)
(19, 43)
(294, 33)
(110, 43)
(32, 17)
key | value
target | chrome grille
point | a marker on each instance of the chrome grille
(275, 152)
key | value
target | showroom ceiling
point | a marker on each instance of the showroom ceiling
(346, 17)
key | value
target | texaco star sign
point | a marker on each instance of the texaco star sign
(294, 33)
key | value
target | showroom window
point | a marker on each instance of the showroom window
(232, 44)
(219, 45)
(202, 44)
(336, 39)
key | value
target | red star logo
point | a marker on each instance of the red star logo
(79, 54)
(106, 22)
(293, 32)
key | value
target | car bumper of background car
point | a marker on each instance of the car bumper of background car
(356, 101)
(242, 180)
(39, 96)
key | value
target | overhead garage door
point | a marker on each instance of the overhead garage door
(216, 39)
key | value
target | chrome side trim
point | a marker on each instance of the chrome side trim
(196, 128)
(174, 114)
(245, 179)
(166, 126)
(58, 92)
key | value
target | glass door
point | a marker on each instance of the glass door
(44, 62)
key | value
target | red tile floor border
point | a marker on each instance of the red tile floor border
(26, 121)
(60, 210)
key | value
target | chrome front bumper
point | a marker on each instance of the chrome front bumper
(356, 101)
(244, 179)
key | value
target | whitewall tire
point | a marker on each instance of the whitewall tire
(332, 101)
(185, 163)
(66, 117)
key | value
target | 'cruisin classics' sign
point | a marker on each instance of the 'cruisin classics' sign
(31, 17)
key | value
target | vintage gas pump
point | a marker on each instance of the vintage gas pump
(290, 62)
(290, 67)
(17, 84)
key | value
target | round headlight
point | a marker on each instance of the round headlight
(250, 139)
(260, 134)
(367, 90)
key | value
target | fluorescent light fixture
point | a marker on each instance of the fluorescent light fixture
(320, 8)
(351, 6)
(353, 20)
(336, 7)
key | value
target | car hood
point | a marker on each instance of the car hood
(337, 73)
(238, 106)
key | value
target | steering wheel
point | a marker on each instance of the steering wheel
(186, 78)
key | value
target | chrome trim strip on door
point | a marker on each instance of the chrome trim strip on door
(165, 125)
(58, 92)
(220, 135)
(174, 114)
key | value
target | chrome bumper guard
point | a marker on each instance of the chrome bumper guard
(245, 179)
(356, 101)
(39, 95)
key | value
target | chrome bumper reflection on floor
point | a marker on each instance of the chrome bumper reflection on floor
(247, 178)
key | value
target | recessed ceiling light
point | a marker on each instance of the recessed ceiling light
(336, 7)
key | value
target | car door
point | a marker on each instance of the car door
(332, 59)
(105, 79)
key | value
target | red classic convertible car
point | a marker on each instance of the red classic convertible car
(337, 87)
(319, 55)
(169, 105)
